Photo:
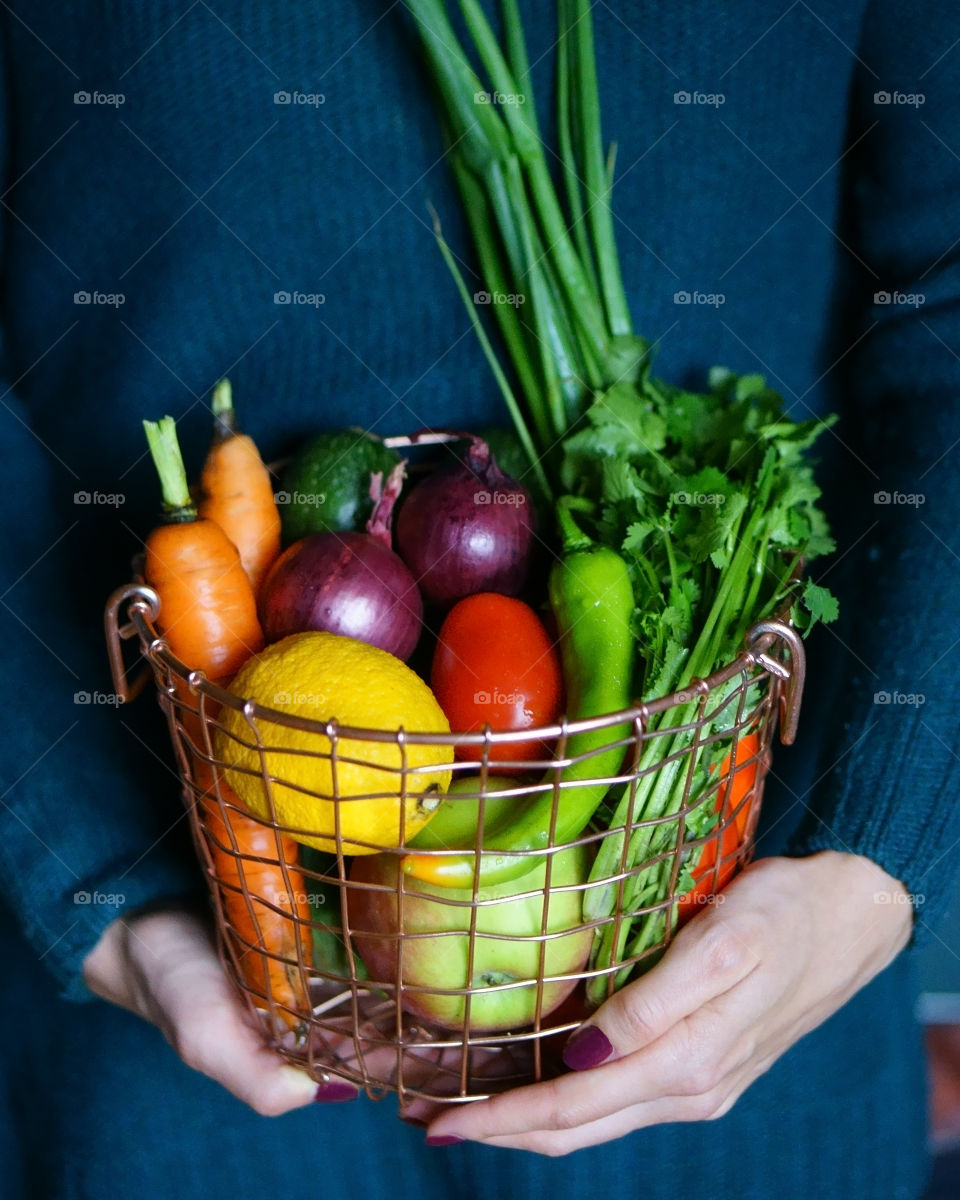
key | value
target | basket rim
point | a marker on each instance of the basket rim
(142, 605)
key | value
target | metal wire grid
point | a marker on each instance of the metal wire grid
(365, 1030)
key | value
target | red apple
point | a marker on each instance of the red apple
(506, 946)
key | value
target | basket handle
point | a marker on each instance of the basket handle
(133, 596)
(790, 675)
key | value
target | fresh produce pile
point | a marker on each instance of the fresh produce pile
(641, 532)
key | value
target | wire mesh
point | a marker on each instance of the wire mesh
(359, 964)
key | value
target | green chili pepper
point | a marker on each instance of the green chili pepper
(592, 600)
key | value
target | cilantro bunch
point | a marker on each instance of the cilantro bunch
(709, 497)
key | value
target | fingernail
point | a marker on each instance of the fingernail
(444, 1139)
(588, 1048)
(415, 1121)
(335, 1091)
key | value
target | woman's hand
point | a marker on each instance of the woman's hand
(792, 941)
(163, 967)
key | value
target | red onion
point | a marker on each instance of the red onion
(347, 583)
(468, 527)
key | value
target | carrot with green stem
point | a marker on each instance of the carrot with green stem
(208, 612)
(237, 492)
(208, 617)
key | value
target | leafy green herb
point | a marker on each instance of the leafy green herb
(709, 497)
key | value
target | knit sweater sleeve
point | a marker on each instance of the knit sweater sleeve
(90, 822)
(889, 777)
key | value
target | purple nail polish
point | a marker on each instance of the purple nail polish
(587, 1048)
(444, 1139)
(335, 1092)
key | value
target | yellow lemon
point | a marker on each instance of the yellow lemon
(321, 786)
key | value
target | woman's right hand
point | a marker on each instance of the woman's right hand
(162, 965)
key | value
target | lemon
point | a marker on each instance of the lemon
(356, 786)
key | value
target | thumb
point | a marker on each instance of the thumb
(706, 959)
(189, 997)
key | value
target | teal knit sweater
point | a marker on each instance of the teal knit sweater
(155, 196)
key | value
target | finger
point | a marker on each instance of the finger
(555, 1143)
(198, 1010)
(707, 959)
(690, 1061)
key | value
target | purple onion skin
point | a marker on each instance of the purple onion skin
(461, 531)
(346, 583)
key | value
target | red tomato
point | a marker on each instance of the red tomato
(496, 665)
(744, 781)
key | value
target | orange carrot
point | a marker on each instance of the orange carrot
(237, 492)
(260, 924)
(208, 616)
(208, 612)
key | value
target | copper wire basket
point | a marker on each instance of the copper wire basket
(378, 1032)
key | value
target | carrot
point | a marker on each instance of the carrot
(208, 612)
(739, 803)
(208, 616)
(261, 924)
(237, 492)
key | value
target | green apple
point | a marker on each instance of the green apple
(434, 957)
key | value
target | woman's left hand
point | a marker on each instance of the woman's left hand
(791, 942)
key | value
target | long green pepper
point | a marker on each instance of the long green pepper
(592, 599)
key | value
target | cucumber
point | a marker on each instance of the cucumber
(327, 485)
